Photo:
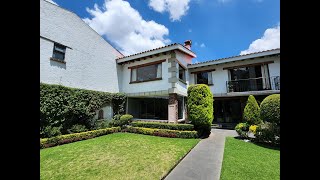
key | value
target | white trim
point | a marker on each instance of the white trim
(237, 58)
(165, 49)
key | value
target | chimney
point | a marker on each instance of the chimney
(187, 44)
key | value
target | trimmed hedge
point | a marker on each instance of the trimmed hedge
(156, 125)
(68, 138)
(163, 132)
(242, 130)
(65, 106)
(121, 120)
(200, 108)
(251, 113)
(270, 109)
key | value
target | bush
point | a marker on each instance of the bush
(65, 107)
(77, 128)
(156, 125)
(242, 130)
(268, 133)
(253, 128)
(50, 131)
(270, 109)
(163, 132)
(200, 108)
(64, 139)
(122, 121)
(251, 113)
(101, 124)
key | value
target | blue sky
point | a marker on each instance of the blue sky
(217, 28)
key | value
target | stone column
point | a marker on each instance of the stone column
(173, 108)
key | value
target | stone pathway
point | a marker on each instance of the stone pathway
(205, 160)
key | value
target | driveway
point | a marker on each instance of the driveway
(205, 160)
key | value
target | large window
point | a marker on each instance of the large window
(246, 72)
(146, 73)
(203, 78)
(59, 52)
(182, 73)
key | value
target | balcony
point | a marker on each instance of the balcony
(254, 84)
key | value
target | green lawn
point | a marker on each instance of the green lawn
(115, 156)
(244, 160)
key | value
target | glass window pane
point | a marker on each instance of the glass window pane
(202, 78)
(147, 72)
(58, 55)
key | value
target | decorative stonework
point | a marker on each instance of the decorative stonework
(173, 108)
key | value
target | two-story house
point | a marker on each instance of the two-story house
(155, 81)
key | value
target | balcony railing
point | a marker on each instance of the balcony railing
(254, 84)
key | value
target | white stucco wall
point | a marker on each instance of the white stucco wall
(220, 76)
(107, 112)
(90, 64)
(274, 68)
(157, 85)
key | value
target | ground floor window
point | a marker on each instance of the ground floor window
(148, 108)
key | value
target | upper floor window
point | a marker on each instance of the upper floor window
(203, 78)
(249, 72)
(182, 73)
(59, 51)
(146, 73)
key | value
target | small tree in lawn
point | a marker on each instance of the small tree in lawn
(200, 108)
(251, 113)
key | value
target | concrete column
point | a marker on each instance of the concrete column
(173, 108)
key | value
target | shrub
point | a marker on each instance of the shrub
(77, 128)
(101, 124)
(253, 128)
(251, 113)
(163, 132)
(270, 109)
(122, 121)
(50, 131)
(268, 133)
(242, 130)
(68, 138)
(156, 125)
(200, 108)
(64, 106)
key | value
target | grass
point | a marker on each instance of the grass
(115, 156)
(244, 160)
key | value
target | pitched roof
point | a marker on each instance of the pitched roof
(238, 57)
(156, 49)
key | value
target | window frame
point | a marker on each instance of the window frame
(204, 71)
(184, 74)
(60, 49)
(145, 65)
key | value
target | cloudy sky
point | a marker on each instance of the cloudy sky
(217, 28)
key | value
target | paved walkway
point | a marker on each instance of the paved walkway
(204, 161)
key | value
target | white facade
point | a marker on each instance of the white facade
(90, 60)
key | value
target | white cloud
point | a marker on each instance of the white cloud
(269, 40)
(124, 26)
(202, 45)
(176, 8)
(52, 2)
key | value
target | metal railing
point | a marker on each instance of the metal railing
(254, 84)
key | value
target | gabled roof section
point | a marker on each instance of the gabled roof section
(174, 46)
(236, 58)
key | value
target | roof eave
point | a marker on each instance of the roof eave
(157, 51)
(237, 58)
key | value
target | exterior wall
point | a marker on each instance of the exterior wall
(157, 85)
(107, 112)
(274, 68)
(181, 87)
(90, 60)
(220, 76)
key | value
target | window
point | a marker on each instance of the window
(203, 78)
(182, 73)
(246, 72)
(59, 51)
(146, 73)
